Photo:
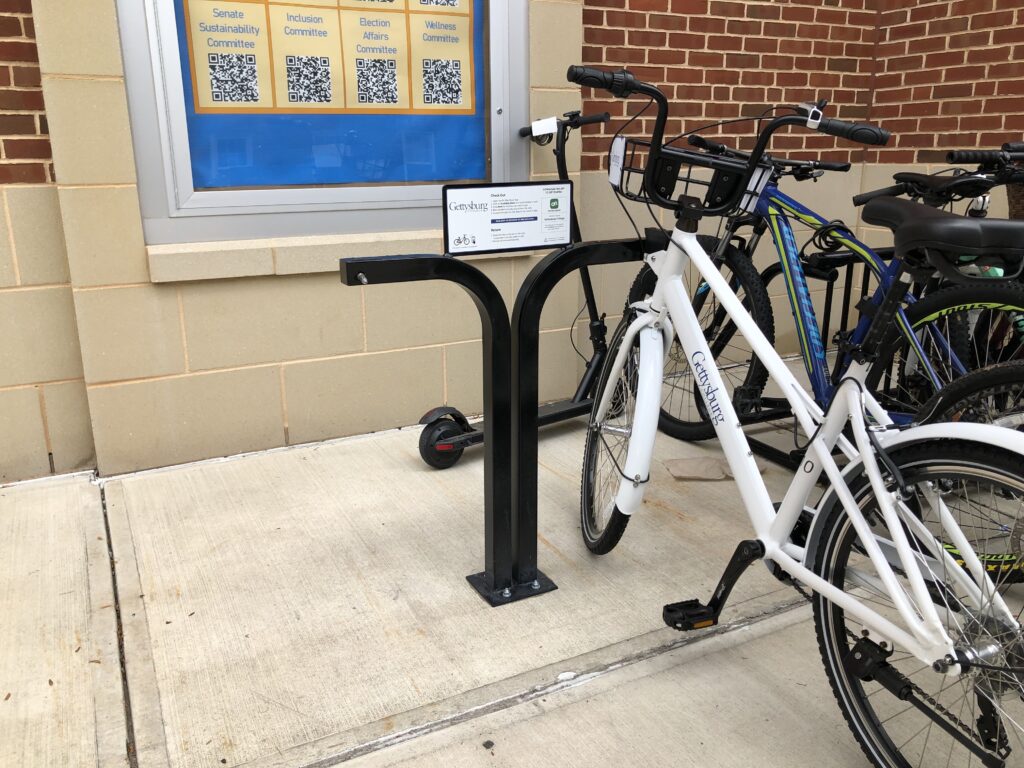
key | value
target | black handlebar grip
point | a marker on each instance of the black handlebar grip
(976, 156)
(621, 83)
(1013, 146)
(863, 133)
(589, 76)
(604, 117)
(893, 191)
(827, 166)
(527, 131)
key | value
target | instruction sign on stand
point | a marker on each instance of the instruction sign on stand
(492, 218)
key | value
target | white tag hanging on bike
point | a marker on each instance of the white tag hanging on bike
(758, 180)
(616, 158)
(544, 127)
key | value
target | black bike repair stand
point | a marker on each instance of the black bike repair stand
(510, 380)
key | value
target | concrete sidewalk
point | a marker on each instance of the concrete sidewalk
(61, 698)
(309, 607)
(749, 696)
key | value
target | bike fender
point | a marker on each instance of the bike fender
(645, 421)
(982, 434)
(987, 434)
(445, 411)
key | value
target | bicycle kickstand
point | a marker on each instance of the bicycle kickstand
(692, 614)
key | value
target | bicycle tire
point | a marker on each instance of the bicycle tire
(683, 413)
(982, 324)
(892, 733)
(601, 522)
(993, 395)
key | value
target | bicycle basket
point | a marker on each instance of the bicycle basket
(681, 173)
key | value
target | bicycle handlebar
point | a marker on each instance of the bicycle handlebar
(893, 191)
(862, 133)
(621, 84)
(975, 156)
(575, 120)
(656, 173)
(603, 117)
(1013, 146)
(715, 148)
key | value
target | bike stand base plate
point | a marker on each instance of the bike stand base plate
(496, 597)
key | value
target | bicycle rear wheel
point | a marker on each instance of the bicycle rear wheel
(960, 329)
(993, 395)
(984, 489)
(683, 413)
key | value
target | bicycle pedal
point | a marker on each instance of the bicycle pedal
(688, 615)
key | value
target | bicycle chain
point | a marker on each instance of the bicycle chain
(916, 689)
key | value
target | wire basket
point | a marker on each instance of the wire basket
(679, 174)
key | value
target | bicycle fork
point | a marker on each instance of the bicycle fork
(649, 364)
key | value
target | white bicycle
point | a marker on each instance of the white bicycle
(921, 641)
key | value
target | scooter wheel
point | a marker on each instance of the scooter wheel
(434, 433)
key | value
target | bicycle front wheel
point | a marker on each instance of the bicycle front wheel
(984, 490)
(607, 446)
(960, 329)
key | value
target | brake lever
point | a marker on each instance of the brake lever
(804, 173)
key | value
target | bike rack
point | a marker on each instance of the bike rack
(510, 381)
(529, 304)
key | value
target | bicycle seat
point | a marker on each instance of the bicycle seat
(948, 240)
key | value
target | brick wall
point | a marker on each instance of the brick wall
(938, 74)
(949, 74)
(718, 60)
(24, 143)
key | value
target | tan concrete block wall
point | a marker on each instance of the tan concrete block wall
(195, 351)
(45, 430)
(44, 422)
(188, 352)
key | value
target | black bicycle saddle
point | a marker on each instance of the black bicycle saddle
(946, 238)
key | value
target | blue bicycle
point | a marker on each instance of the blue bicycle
(947, 335)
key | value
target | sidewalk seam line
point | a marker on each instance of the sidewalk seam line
(129, 724)
(533, 693)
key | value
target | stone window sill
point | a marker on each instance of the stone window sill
(283, 256)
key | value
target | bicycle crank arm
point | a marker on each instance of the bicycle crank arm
(692, 614)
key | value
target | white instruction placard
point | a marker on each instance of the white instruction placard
(490, 218)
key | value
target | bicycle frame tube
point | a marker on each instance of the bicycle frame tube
(922, 633)
(808, 332)
(777, 207)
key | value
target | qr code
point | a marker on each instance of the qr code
(442, 81)
(309, 79)
(443, 3)
(376, 81)
(233, 77)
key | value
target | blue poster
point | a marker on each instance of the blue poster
(329, 92)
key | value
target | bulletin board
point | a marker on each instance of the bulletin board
(330, 92)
